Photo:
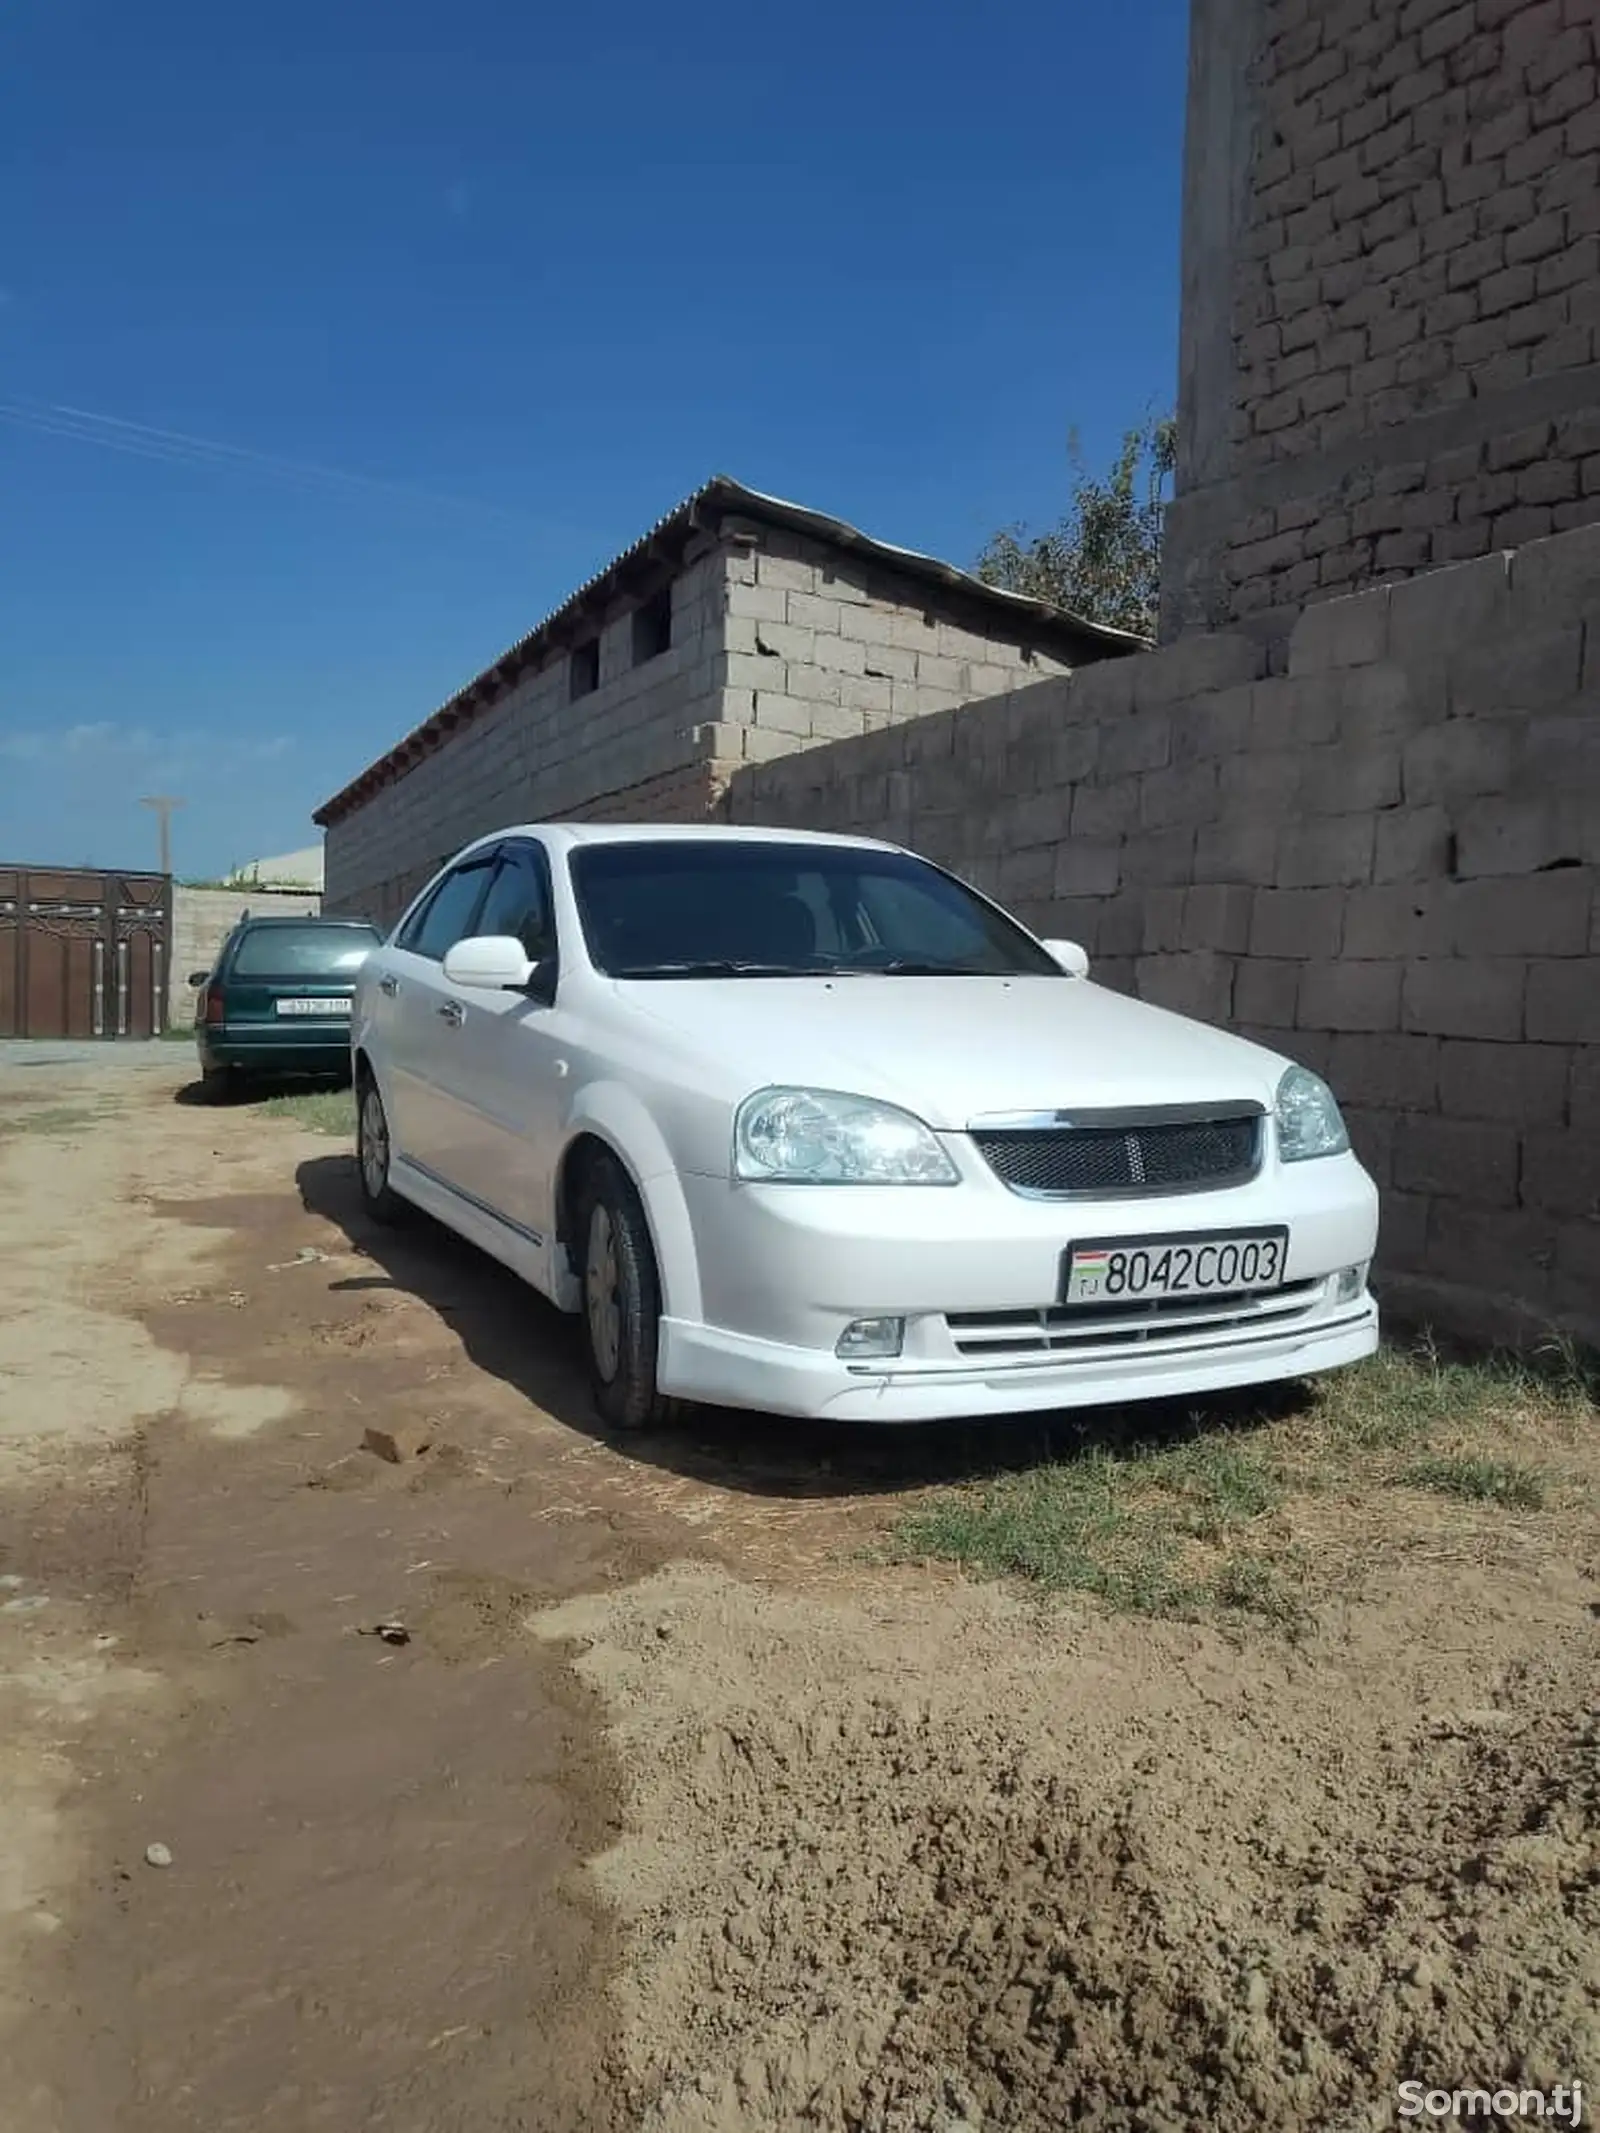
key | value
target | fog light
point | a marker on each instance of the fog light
(1348, 1284)
(870, 1337)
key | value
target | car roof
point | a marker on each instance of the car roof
(572, 834)
(307, 918)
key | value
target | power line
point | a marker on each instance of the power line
(143, 440)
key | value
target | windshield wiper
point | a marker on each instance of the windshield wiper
(907, 967)
(720, 967)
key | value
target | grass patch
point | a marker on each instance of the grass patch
(1245, 1510)
(322, 1110)
(1498, 1481)
(178, 1033)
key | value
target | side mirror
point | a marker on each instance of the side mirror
(1073, 959)
(495, 963)
(197, 978)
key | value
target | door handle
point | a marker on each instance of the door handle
(453, 1012)
(389, 986)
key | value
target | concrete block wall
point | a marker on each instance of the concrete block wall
(780, 643)
(1391, 293)
(539, 753)
(202, 919)
(819, 646)
(1383, 862)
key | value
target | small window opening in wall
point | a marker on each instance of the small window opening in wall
(652, 627)
(585, 670)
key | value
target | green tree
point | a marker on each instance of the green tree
(1103, 559)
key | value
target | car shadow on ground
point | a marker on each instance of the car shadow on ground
(514, 1334)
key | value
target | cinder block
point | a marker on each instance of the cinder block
(1577, 1279)
(1159, 857)
(1521, 1084)
(1239, 849)
(1267, 779)
(1330, 849)
(1183, 793)
(1396, 1073)
(1413, 844)
(1216, 725)
(1564, 1002)
(1088, 867)
(1140, 741)
(1493, 1246)
(1457, 1160)
(1403, 1230)
(1561, 1171)
(1293, 711)
(1349, 996)
(1217, 916)
(1536, 914)
(1163, 921)
(1265, 993)
(1351, 776)
(1195, 666)
(1527, 835)
(1340, 633)
(1583, 1090)
(1466, 996)
(1398, 919)
(1302, 923)
(1530, 670)
(1448, 609)
(1460, 758)
(1198, 984)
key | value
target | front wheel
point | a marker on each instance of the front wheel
(621, 1301)
(378, 1196)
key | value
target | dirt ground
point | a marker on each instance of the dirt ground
(680, 1806)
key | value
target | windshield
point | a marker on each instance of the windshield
(304, 951)
(695, 909)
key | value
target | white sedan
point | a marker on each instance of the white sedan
(804, 1123)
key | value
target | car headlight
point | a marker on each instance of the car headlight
(1309, 1122)
(820, 1137)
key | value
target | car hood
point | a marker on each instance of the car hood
(952, 1049)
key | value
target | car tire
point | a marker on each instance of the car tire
(219, 1084)
(373, 1148)
(621, 1307)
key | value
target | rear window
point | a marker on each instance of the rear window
(304, 951)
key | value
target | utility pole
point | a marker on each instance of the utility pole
(164, 804)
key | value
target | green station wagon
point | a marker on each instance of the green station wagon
(277, 1003)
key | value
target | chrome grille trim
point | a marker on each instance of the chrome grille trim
(1061, 1328)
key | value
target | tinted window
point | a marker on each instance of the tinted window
(303, 951)
(518, 903)
(447, 915)
(663, 909)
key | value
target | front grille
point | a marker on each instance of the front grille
(1182, 1155)
(1061, 1327)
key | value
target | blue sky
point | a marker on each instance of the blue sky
(467, 296)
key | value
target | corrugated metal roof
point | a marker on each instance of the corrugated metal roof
(721, 497)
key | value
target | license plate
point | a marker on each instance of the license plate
(1203, 1263)
(313, 1007)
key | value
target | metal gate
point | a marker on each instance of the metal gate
(83, 954)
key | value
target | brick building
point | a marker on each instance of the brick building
(739, 629)
(1391, 294)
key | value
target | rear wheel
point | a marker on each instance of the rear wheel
(220, 1084)
(621, 1300)
(378, 1196)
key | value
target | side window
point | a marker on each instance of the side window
(519, 903)
(447, 915)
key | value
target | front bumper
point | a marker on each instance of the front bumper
(976, 1272)
(272, 1048)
